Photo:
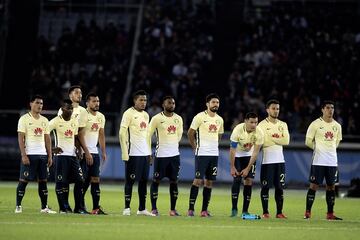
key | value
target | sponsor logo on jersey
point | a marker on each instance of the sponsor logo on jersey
(38, 132)
(171, 129)
(212, 128)
(68, 133)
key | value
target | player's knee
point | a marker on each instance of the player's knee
(173, 182)
(208, 183)
(198, 182)
(248, 182)
(156, 181)
(95, 179)
(330, 187)
(314, 186)
(23, 181)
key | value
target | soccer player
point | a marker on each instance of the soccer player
(204, 134)
(93, 133)
(36, 156)
(67, 167)
(323, 136)
(276, 135)
(169, 129)
(79, 113)
(135, 151)
(245, 142)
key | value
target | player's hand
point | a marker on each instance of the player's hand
(50, 161)
(234, 172)
(25, 160)
(57, 150)
(244, 172)
(103, 156)
(89, 159)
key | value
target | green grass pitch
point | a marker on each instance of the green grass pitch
(33, 225)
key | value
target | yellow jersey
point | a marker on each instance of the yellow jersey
(207, 133)
(34, 130)
(168, 131)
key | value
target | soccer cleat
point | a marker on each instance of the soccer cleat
(307, 215)
(234, 212)
(98, 211)
(190, 213)
(47, 210)
(155, 212)
(81, 211)
(266, 215)
(331, 216)
(205, 214)
(126, 212)
(145, 213)
(68, 209)
(18, 209)
(281, 215)
(174, 213)
(63, 211)
(248, 216)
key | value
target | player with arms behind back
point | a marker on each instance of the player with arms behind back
(323, 136)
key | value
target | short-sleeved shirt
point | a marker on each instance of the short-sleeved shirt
(272, 152)
(207, 133)
(65, 132)
(137, 125)
(168, 134)
(246, 139)
(326, 135)
(79, 113)
(34, 130)
(93, 124)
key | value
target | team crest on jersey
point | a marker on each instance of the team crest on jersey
(171, 129)
(334, 128)
(68, 133)
(59, 177)
(253, 138)
(94, 127)
(38, 131)
(212, 128)
(143, 125)
(43, 124)
(176, 120)
(73, 125)
(281, 128)
(329, 135)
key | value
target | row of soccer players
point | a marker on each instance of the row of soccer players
(323, 136)
(77, 132)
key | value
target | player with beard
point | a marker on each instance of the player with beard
(67, 167)
(79, 113)
(204, 135)
(168, 127)
(93, 133)
(135, 151)
(276, 135)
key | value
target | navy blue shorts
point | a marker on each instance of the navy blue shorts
(137, 168)
(167, 167)
(318, 173)
(273, 175)
(94, 169)
(206, 166)
(67, 169)
(37, 170)
(241, 163)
